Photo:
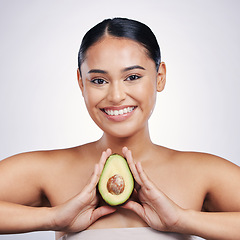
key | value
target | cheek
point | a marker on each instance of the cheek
(91, 97)
(147, 94)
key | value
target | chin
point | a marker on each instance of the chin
(123, 129)
(121, 133)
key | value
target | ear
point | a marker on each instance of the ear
(161, 77)
(80, 82)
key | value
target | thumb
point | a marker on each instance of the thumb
(101, 211)
(135, 207)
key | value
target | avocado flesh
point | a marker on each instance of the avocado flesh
(116, 171)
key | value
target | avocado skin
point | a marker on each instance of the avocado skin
(116, 164)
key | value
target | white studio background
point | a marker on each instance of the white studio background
(41, 106)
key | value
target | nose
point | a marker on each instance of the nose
(116, 93)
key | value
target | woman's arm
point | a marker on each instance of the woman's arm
(21, 196)
(214, 225)
(17, 218)
(162, 214)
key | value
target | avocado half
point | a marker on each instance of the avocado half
(116, 182)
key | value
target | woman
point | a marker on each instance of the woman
(120, 72)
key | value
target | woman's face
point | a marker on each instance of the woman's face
(119, 84)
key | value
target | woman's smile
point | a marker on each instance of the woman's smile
(118, 114)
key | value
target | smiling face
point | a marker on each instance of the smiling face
(119, 84)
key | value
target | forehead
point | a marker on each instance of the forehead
(116, 52)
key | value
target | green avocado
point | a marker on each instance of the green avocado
(116, 181)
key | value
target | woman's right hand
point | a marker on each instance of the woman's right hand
(155, 208)
(80, 212)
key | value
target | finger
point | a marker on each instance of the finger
(128, 155)
(98, 169)
(94, 178)
(101, 211)
(135, 207)
(102, 161)
(156, 193)
(143, 177)
(109, 152)
(124, 150)
(103, 158)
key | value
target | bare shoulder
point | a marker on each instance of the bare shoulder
(36, 160)
(221, 178)
(23, 177)
(20, 180)
(205, 159)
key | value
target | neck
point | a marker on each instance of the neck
(138, 143)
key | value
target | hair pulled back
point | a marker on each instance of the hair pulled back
(122, 28)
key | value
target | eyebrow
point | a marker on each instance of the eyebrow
(124, 70)
(133, 67)
(97, 71)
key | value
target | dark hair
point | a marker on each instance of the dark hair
(122, 27)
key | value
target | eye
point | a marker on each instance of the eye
(98, 81)
(132, 77)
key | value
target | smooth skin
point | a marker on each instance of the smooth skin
(172, 186)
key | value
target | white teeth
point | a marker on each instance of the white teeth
(119, 112)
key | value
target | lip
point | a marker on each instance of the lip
(121, 117)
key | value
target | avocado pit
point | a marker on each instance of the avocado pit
(116, 184)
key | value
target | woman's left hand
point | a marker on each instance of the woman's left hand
(155, 208)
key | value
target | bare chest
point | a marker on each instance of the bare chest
(180, 185)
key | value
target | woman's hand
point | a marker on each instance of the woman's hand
(155, 208)
(80, 212)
